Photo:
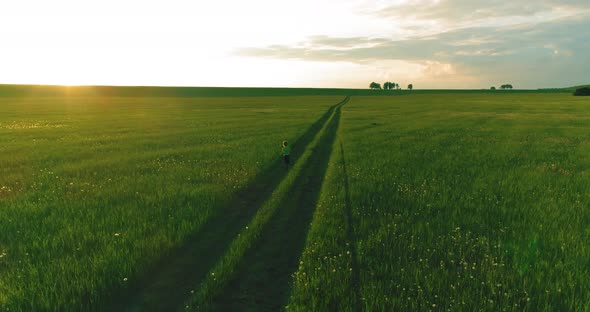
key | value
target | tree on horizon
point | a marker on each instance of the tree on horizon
(388, 85)
(375, 85)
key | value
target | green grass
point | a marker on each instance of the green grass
(95, 189)
(327, 278)
(458, 203)
(455, 200)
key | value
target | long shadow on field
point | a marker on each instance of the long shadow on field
(263, 278)
(168, 283)
(356, 280)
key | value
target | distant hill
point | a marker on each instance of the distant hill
(563, 90)
(578, 87)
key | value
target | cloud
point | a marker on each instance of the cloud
(550, 53)
(452, 14)
(334, 42)
(451, 46)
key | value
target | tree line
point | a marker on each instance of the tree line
(394, 86)
(503, 87)
(388, 86)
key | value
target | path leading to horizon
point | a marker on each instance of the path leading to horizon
(262, 279)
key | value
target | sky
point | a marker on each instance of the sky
(303, 43)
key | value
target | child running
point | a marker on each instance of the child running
(286, 153)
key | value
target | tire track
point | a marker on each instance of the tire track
(167, 284)
(262, 280)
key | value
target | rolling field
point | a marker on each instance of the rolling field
(413, 202)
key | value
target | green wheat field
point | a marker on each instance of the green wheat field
(140, 200)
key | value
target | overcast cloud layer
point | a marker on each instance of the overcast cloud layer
(531, 44)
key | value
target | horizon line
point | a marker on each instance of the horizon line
(249, 87)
